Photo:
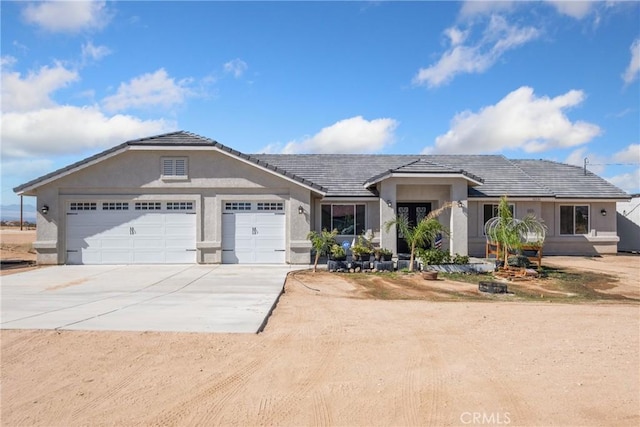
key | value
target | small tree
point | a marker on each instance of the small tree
(512, 234)
(423, 233)
(321, 243)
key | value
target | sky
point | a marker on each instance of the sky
(545, 80)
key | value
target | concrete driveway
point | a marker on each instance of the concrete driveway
(181, 298)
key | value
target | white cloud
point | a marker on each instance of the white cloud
(92, 52)
(518, 121)
(237, 67)
(69, 129)
(631, 154)
(149, 90)
(478, 7)
(574, 8)
(498, 37)
(67, 16)
(34, 125)
(633, 69)
(34, 90)
(629, 182)
(353, 135)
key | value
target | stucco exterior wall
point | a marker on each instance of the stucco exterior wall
(437, 191)
(213, 178)
(602, 238)
(628, 221)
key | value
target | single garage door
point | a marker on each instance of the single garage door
(117, 232)
(253, 233)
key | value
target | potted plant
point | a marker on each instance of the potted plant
(362, 249)
(338, 253)
(360, 252)
(383, 254)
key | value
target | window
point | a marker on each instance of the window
(237, 206)
(347, 219)
(82, 206)
(174, 167)
(574, 219)
(179, 206)
(270, 206)
(115, 206)
(148, 206)
(491, 211)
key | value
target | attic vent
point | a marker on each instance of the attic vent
(174, 167)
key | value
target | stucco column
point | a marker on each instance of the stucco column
(387, 213)
(459, 222)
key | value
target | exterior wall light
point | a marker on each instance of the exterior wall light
(460, 204)
(44, 209)
(389, 203)
(603, 212)
(300, 210)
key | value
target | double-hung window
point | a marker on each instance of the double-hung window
(574, 219)
(174, 168)
(348, 219)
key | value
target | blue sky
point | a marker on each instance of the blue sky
(551, 80)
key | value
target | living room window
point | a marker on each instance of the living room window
(348, 219)
(574, 219)
(491, 211)
(174, 167)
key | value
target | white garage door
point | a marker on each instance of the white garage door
(253, 233)
(115, 232)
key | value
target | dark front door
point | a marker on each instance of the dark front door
(413, 212)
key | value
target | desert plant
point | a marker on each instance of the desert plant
(322, 243)
(423, 233)
(338, 253)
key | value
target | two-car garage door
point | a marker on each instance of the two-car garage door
(123, 232)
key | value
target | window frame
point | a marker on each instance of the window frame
(494, 208)
(173, 175)
(355, 206)
(573, 216)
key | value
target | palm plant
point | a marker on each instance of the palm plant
(423, 233)
(321, 243)
(512, 234)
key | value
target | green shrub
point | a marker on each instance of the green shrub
(460, 259)
(433, 256)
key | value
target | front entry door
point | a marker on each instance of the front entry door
(413, 212)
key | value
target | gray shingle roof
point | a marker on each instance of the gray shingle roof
(345, 175)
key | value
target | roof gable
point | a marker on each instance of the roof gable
(174, 139)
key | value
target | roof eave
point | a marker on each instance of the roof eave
(474, 180)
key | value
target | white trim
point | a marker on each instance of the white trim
(421, 175)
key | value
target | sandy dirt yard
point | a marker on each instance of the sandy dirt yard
(330, 355)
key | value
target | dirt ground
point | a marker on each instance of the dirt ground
(331, 356)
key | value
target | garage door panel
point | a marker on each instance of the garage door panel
(253, 237)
